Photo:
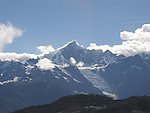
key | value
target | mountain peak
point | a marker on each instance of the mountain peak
(108, 52)
(72, 43)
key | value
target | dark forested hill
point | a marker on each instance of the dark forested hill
(93, 104)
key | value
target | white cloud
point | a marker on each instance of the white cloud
(16, 57)
(72, 61)
(45, 49)
(7, 33)
(45, 64)
(140, 34)
(96, 47)
(132, 42)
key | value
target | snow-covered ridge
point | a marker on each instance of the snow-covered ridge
(49, 50)
(16, 79)
(43, 51)
(73, 42)
(55, 58)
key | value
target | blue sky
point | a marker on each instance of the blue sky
(55, 22)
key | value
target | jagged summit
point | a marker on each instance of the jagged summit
(73, 44)
(108, 52)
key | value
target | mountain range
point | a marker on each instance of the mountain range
(72, 69)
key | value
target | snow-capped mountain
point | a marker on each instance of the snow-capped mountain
(130, 76)
(72, 69)
(30, 85)
(81, 54)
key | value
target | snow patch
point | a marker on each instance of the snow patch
(72, 61)
(64, 65)
(65, 78)
(114, 96)
(57, 77)
(28, 69)
(76, 80)
(16, 79)
(80, 64)
(80, 92)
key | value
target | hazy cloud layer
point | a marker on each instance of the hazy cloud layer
(132, 42)
(16, 57)
(7, 33)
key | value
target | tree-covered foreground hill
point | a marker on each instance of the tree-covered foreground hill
(92, 104)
